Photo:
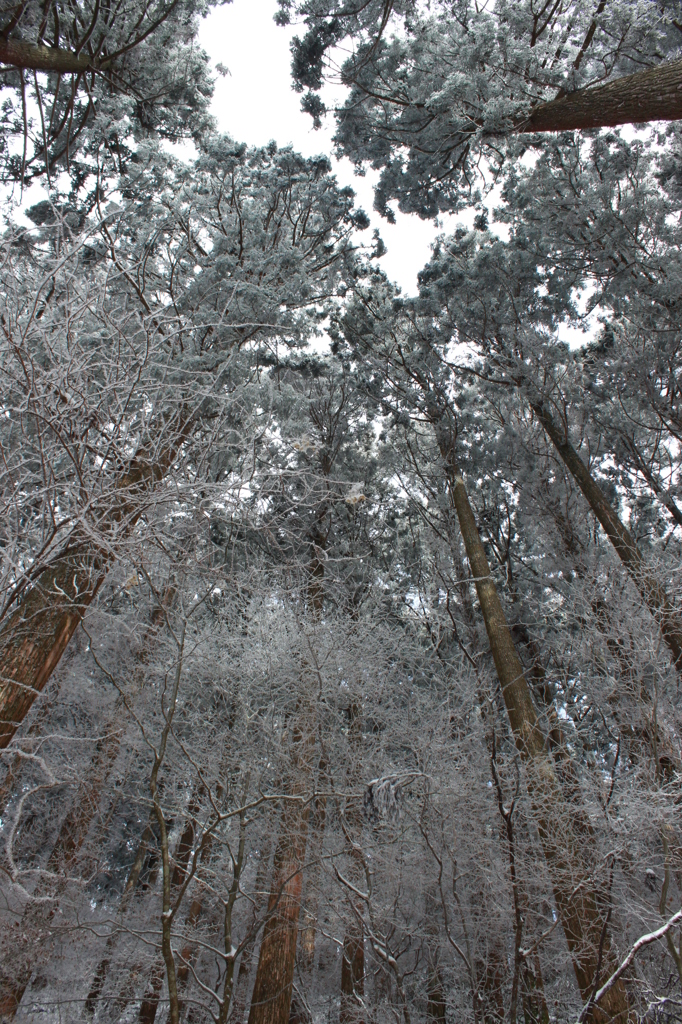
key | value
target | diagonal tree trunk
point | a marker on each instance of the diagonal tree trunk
(652, 591)
(32, 56)
(35, 635)
(651, 95)
(579, 905)
(34, 638)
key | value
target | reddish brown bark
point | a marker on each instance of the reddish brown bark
(353, 959)
(150, 1003)
(247, 958)
(35, 635)
(318, 818)
(271, 997)
(535, 1010)
(489, 999)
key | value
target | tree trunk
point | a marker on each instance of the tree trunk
(35, 635)
(579, 905)
(272, 990)
(435, 990)
(535, 1010)
(46, 58)
(651, 590)
(246, 960)
(181, 855)
(318, 820)
(352, 974)
(491, 971)
(651, 95)
(271, 998)
(100, 975)
(353, 959)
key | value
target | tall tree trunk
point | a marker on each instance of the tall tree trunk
(651, 95)
(565, 767)
(143, 851)
(491, 971)
(318, 819)
(271, 998)
(352, 974)
(652, 591)
(535, 1010)
(272, 991)
(146, 646)
(579, 905)
(353, 959)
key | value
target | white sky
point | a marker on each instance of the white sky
(256, 103)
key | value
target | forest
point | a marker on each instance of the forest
(341, 627)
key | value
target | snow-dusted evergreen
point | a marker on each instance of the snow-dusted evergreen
(341, 629)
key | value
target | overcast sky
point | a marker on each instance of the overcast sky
(255, 103)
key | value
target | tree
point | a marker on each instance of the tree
(365, 713)
(432, 105)
(581, 919)
(188, 339)
(89, 77)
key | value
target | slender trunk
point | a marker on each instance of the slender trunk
(181, 855)
(653, 480)
(577, 902)
(651, 590)
(651, 95)
(435, 990)
(247, 957)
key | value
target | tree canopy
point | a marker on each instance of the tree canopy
(341, 628)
